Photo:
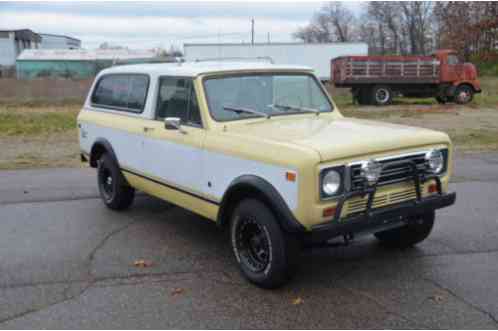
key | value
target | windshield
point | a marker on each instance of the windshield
(258, 94)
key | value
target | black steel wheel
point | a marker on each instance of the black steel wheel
(253, 245)
(464, 94)
(382, 95)
(416, 231)
(266, 255)
(114, 191)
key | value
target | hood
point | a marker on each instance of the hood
(337, 138)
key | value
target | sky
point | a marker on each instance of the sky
(146, 25)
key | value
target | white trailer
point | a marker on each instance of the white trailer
(316, 56)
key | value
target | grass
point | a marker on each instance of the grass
(32, 119)
(474, 139)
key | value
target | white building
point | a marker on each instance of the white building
(13, 42)
(316, 56)
(54, 41)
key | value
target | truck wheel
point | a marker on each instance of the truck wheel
(382, 95)
(410, 234)
(266, 256)
(364, 96)
(464, 94)
(115, 194)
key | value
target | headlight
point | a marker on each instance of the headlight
(435, 161)
(371, 171)
(331, 182)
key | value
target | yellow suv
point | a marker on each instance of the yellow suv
(261, 150)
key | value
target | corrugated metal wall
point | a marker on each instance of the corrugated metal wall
(30, 69)
(72, 69)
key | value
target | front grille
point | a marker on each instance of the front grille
(381, 199)
(391, 173)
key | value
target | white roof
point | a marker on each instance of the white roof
(192, 69)
(85, 55)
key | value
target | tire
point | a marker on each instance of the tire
(408, 235)
(114, 191)
(364, 96)
(382, 95)
(267, 257)
(464, 94)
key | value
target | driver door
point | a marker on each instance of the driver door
(174, 157)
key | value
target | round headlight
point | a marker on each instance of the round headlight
(371, 171)
(331, 182)
(435, 161)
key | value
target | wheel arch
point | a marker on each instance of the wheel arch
(251, 186)
(99, 147)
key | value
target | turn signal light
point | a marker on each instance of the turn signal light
(329, 212)
(432, 188)
(290, 176)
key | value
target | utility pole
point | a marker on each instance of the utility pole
(252, 31)
(268, 37)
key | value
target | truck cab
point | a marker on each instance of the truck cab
(461, 77)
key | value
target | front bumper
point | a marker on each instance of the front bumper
(374, 220)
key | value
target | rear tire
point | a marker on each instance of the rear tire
(408, 235)
(114, 191)
(266, 256)
(382, 95)
(364, 96)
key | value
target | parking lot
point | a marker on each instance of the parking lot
(68, 262)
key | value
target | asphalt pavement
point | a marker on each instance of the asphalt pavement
(68, 262)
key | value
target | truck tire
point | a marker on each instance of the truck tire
(364, 96)
(382, 95)
(114, 192)
(266, 255)
(410, 234)
(464, 94)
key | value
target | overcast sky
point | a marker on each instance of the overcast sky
(144, 25)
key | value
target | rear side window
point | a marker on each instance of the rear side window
(177, 98)
(126, 92)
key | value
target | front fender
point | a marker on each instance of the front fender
(250, 186)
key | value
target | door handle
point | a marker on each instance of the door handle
(148, 129)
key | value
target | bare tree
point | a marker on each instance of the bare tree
(333, 22)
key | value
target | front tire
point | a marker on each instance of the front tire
(266, 256)
(464, 94)
(408, 235)
(114, 191)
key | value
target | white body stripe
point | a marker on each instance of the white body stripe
(186, 166)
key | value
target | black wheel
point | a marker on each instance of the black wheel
(382, 95)
(464, 94)
(266, 256)
(115, 193)
(364, 96)
(408, 235)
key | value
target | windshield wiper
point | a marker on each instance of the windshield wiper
(239, 110)
(296, 108)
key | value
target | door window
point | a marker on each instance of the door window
(177, 98)
(452, 59)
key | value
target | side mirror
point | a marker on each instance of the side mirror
(173, 123)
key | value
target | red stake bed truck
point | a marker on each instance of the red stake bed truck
(376, 79)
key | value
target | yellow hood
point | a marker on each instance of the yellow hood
(337, 138)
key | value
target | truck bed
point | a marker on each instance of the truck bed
(356, 70)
